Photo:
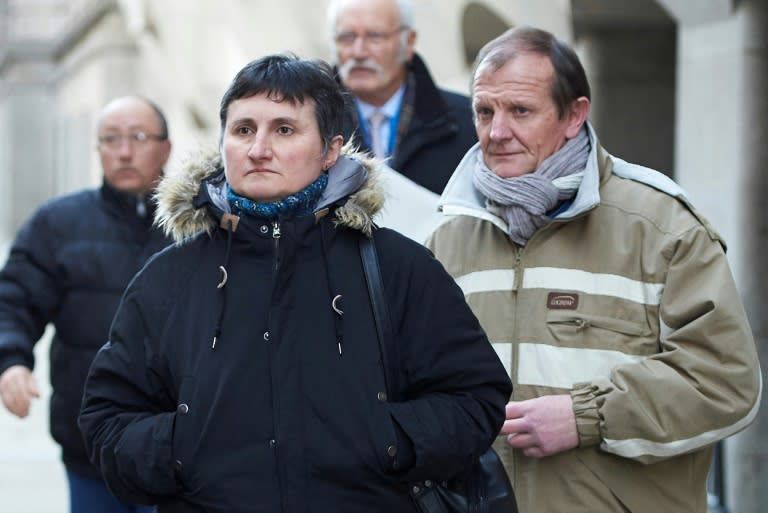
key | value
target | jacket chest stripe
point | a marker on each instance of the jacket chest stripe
(487, 281)
(556, 278)
(562, 367)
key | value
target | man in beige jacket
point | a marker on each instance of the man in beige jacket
(606, 294)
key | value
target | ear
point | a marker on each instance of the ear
(334, 150)
(577, 115)
(410, 45)
(166, 150)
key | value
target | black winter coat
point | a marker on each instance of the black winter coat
(434, 141)
(285, 413)
(69, 266)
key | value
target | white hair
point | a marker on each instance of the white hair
(405, 7)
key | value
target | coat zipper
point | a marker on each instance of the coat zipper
(276, 237)
(606, 323)
(274, 442)
(515, 351)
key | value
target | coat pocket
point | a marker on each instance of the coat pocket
(578, 329)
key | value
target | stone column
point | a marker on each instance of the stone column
(747, 453)
(631, 71)
(27, 116)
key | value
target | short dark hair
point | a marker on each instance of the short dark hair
(570, 81)
(294, 80)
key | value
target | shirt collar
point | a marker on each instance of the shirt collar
(390, 108)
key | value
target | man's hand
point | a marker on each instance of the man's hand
(17, 388)
(542, 426)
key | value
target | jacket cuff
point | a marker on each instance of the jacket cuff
(17, 358)
(403, 420)
(406, 455)
(587, 417)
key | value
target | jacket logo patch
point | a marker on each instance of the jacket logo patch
(562, 301)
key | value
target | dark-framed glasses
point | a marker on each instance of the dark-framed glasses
(136, 139)
(370, 38)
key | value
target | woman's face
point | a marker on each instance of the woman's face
(273, 148)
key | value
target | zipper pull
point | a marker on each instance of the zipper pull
(276, 238)
(141, 207)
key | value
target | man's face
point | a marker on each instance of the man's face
(131, 162)
(369, 51)
(516, 119)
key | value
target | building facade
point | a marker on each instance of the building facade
(678, 85)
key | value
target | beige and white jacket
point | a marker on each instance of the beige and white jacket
(626, 301)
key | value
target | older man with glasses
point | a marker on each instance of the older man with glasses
(399, 114)
(68, 266)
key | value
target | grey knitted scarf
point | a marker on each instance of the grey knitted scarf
(524, 201)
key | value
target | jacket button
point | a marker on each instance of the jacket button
(272, 442)
(392, 451)
(182, 409)
(178, 466)
(264, 228)
(266, 336)
(382, 396)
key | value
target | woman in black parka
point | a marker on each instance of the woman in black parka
(243, 371)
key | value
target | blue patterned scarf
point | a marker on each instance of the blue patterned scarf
(298, 204)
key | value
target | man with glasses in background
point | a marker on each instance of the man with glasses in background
(69, 266)
(399, 113)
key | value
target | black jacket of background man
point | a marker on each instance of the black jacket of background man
(440, 130)
(69, 266)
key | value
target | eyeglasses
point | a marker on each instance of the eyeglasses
(136, 139)
(370, 38)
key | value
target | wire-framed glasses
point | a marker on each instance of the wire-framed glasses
(136, 139)
(370, 38)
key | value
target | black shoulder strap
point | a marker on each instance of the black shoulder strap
(381, 316)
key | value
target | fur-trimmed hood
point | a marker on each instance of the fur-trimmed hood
(183, 197)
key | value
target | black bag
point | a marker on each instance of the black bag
(485, 487)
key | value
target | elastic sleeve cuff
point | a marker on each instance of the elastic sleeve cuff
(587, 417)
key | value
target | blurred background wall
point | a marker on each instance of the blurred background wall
(678, 85)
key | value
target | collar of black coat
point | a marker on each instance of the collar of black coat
(428, 102)
(128, 205)
(192, 200)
